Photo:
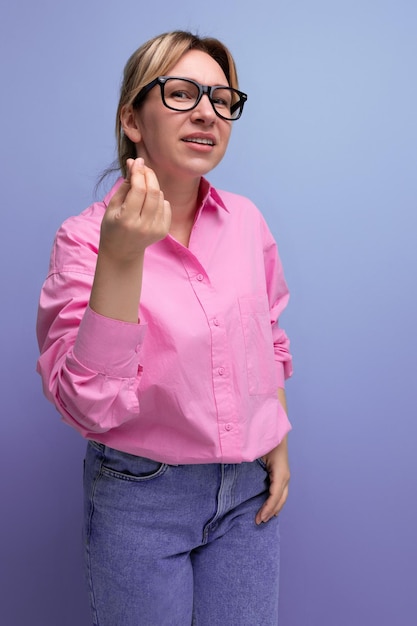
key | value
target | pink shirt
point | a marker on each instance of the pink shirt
(195, 381)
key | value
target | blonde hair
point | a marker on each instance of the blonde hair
(154, 58)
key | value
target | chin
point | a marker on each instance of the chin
(202, 167)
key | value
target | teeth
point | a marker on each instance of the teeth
(208, 142)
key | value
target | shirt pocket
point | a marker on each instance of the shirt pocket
(259, 345)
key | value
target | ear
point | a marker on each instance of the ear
(130, 123)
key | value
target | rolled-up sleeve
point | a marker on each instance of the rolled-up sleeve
(89, 364)
(278, 296)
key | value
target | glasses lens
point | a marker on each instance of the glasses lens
(227, 102)
(180, 94)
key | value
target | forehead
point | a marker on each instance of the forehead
(199, 66)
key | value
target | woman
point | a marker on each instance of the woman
(183, 403)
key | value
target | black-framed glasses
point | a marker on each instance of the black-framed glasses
(184, 94)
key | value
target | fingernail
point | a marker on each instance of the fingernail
(140, 161)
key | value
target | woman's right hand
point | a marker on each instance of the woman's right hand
(136, 217)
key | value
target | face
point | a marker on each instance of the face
(187, 144)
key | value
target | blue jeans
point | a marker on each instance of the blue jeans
(178, 545)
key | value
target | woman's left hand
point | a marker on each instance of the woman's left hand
(279, 475)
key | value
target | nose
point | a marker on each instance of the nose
(204, 111)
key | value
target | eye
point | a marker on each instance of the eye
(221, 102)
(180, 91)
(180, 95)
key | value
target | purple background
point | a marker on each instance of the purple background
(327, 148)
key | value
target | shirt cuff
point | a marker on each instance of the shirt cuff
(109, 346)
(284, 371)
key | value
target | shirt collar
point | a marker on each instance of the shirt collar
(210, 196)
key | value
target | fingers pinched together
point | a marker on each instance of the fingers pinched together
(137, 215)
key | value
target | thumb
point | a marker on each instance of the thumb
(119, 197)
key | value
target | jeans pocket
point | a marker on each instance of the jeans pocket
(129, 467)
(262, 463)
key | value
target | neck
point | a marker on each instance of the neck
(182, 195)
(183, 198)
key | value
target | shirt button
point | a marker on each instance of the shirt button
(221, 371)
(200, 277)
(228, 426)
(216, 322)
